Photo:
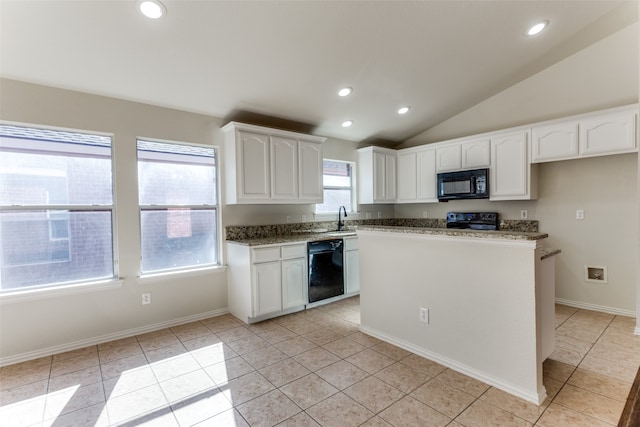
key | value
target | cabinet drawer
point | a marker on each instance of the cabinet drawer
(351, 244)
(294, 251)
(265, 254)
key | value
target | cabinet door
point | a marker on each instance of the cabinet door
(390, 178)
(379, 177)
(476, 154)
(253, 166)
(407, 177)
(510, 168)
(608, 134)
(284, 168)
(448, 158)
(554, 142)
(352, 271)
(427, 177)
(310, 171)
(294, 282)
(267, 288)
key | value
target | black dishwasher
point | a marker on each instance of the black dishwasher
(326, 278)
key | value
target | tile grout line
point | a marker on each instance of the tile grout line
(575, 368)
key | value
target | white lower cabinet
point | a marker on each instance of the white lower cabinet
(267, 287)
(294, 282)
(266, 281)
(351, 266)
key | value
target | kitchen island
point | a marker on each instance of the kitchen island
(488, 312)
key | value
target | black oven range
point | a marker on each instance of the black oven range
(473, 220)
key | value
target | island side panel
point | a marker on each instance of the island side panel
(481, 297)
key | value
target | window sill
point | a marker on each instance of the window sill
(167, 275)
(59, 291)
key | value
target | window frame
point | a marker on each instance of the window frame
(352, 187)
(70, 287)
(191, 269)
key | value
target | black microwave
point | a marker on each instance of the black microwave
(471, 184)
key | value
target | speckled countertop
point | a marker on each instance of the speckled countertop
(548, 252)
(291, 238)
(307, 232)
(482, 234)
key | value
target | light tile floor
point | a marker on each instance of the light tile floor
(308, 369)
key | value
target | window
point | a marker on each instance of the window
(337, 178)
(178, 206)
(56, 207)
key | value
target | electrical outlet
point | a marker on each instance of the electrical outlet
(304, 218)
(424, 214)
(146, 298)
(524, 214)
(424, 315)
(288, 218)
(368, 215)
(379, 215)
(580, 214)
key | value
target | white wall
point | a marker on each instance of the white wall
(37, 327)
(605, 74)
(606, 188)
(44, 325)
(637, 330)
(482, 314)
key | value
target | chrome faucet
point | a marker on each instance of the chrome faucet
(340, 222)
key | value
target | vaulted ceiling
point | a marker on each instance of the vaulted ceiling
(288, 59)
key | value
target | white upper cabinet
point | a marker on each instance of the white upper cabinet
(252, 166)
(310, 166)
(594, 134)
(376, 175)
(554, 142)
(284, 170)
(268, 166)
(417, 175)
(449, 157)
(461, 155)
(608, 133)
(476, 153)
(510, 174)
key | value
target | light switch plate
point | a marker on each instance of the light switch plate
(580, 214)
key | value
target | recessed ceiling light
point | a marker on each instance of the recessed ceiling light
(153, 9)
(537, 29)
(404, 110)
(345, 91)
(347, 123)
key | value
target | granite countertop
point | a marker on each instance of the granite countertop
(293, 238)
(302, 236)
(548, 252)
(482, 234)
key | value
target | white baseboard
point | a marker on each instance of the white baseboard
(10, 360)
(536, 398)
(595, 307)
